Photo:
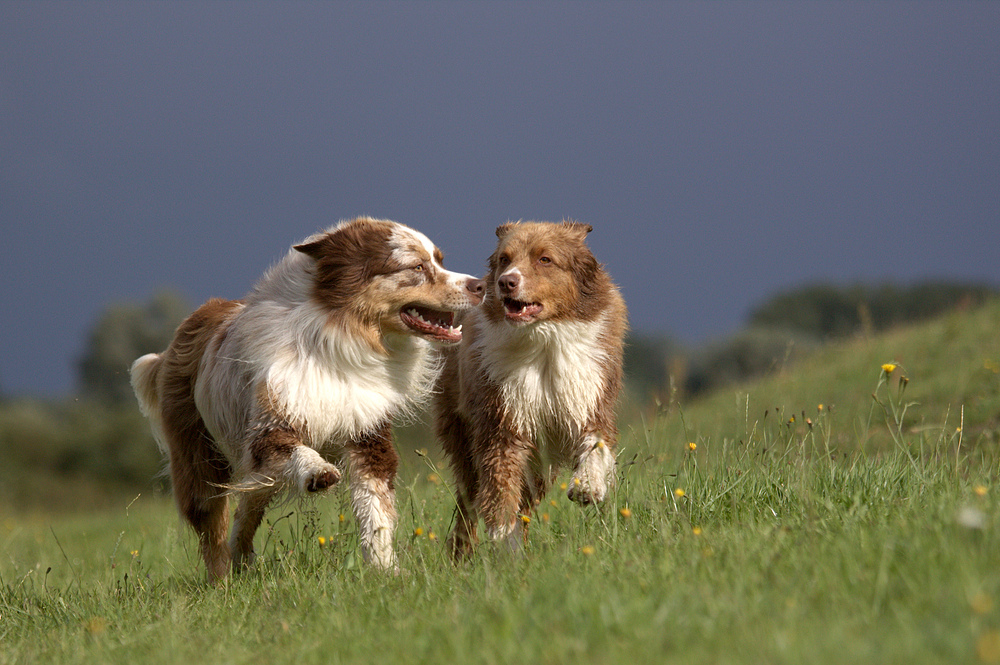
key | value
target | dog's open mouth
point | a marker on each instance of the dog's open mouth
(518, 310)
(432, 323)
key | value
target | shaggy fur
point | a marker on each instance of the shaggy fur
(331, 345)
(534, 384)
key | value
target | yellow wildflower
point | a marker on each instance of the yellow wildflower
(819, 407)
(587, 549)
(625, 512)
(545, 517)
(696, 530)
(525, 519)
(322, 541)
(341, 518)
(418, 532)
(980, 490)
(988, 646)
(679, 493)
(981, 603)
(888, 368)
(692, 446)
(552, 502)
(563, 486)
(432, 536)
(134, 553)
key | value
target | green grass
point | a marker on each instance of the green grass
(853, 537)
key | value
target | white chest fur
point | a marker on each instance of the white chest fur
(550, 374)
(336, 401)
(325, 381)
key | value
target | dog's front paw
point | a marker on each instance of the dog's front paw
(322, 478)
(594, 473)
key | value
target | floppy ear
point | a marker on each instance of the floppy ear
(578, 227)
(504, 229)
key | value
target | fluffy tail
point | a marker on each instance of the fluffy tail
(144, 373)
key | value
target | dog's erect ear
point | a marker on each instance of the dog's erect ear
(506, 228)
(315, 248)
(578, 227)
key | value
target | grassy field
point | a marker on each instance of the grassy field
(835, 512)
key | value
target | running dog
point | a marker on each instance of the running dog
(253, 396)
(534, 384)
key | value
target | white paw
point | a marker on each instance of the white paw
(594, 474)
(309, 472)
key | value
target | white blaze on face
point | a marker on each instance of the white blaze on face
(404, 238)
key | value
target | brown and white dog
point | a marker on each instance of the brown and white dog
(534, 384)
(335, 341)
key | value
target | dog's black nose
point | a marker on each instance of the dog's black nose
(509, 283)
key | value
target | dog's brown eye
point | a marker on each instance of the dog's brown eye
(503, 260)
(419, 267)
(544, 260)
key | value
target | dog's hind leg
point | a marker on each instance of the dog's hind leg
(452, 432)
(249, 515)
(196, 481)
(373, 463)
(463, 537)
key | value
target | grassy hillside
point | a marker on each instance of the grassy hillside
(952, 365)
(865, 531)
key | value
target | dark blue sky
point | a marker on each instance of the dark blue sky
(722, 150)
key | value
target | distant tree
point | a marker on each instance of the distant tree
(121, 334)
(749, 354)
(649, 362)
(826, 311)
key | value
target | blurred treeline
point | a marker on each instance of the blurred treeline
(785, 327)
(95, 447)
